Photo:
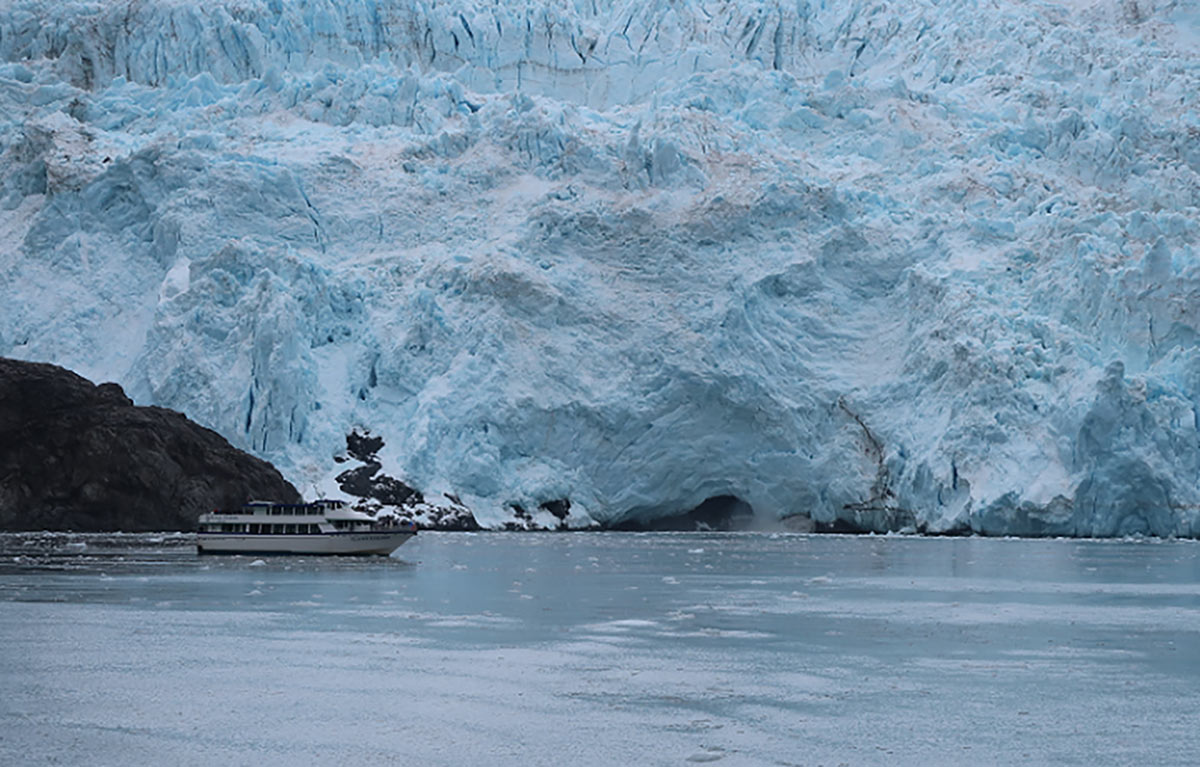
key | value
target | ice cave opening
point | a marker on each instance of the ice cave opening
(719, 512)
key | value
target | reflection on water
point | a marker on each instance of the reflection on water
(536, 648)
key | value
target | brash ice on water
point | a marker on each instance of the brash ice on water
(616, 648)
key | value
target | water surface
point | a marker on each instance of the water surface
(601, 649)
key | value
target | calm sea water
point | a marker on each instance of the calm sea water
(602, 649)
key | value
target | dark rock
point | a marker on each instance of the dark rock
(363, 446)
(456, 518)
(357, 481)
(393, 492)
(75, 456)
(559, 508)
(377, 493)
(365, 481)
(523, 519)
(112, 394)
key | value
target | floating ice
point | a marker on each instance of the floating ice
(915, 265)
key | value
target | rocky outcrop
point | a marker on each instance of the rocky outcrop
(374, 492)
(366, 480)
(75, 456)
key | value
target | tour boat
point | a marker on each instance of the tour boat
(320, 527)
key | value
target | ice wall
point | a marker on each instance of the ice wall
(910, 264)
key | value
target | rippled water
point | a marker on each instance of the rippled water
(600, 649)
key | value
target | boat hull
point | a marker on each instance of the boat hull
(382, 543)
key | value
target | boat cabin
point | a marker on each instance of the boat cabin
(323, 517)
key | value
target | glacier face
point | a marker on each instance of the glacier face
(925, 264)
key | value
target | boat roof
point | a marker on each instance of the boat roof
(330, 508)
(328, 502)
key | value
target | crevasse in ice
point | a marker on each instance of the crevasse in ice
(923, 264)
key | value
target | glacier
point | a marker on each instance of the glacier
(888, 265)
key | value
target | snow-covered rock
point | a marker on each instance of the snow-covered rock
(925, 264)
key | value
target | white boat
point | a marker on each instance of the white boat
(320, 527)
